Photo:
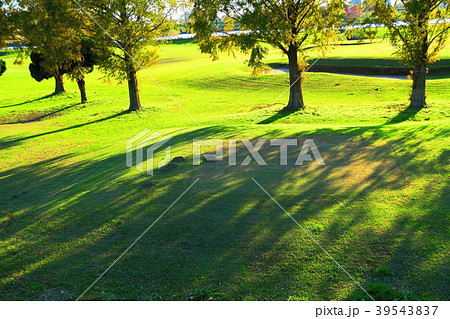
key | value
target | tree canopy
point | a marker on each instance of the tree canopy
(293, 26)
(124, 30)
(2, 67)
(54, 29)
(74, 68)
(6, 30)
(6, 23)
(419, 30)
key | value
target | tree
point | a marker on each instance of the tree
(79, 69)
(354, 12)
(125, 30)
(75, 69)
(37, 71)
(6, 25)
(293, 26)
(54, 29)
(418, 29)
(6, 30)
(2, 67)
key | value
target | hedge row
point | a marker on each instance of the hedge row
(369, 70)
(366, 70)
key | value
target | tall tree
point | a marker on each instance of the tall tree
(74, 69)
(6, 30)
(78, 70)
(293, 26)
(54, 30)
(126, 29)
(5, 24)
(418, 29)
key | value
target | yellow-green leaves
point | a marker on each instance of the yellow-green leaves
(282, 24)
(419, 29)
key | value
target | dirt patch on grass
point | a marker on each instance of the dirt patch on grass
(33, 116)
(25, 117)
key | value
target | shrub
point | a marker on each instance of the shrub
(2, 67)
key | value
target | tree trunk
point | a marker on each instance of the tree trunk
(82, 87)
(133, 86)
(59, 84)
(296, 95)
(418, 97)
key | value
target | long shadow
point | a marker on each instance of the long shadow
(29, 101)
(278, 116)
(9, 142)
(403, 116)
(41, 117)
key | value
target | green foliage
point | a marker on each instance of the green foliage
(52, 28)
(419, 30)
(410, 29)
(114, 63)
(2, 67)
(6, 23)
(90, 58)
(286, 25)
(37, 71)
(75, 68)
(366, 26)
(130, 26)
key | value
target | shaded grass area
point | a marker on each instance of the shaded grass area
(225, 239)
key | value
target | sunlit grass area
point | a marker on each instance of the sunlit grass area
(71, 206)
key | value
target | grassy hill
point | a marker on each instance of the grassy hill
(71, 206)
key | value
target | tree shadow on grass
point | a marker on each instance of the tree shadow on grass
(276, 117)
(403, 116)
(29, 101)
(11, 141)
(225, 239)
(37, 116)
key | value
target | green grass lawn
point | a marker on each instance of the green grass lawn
(379, 206)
